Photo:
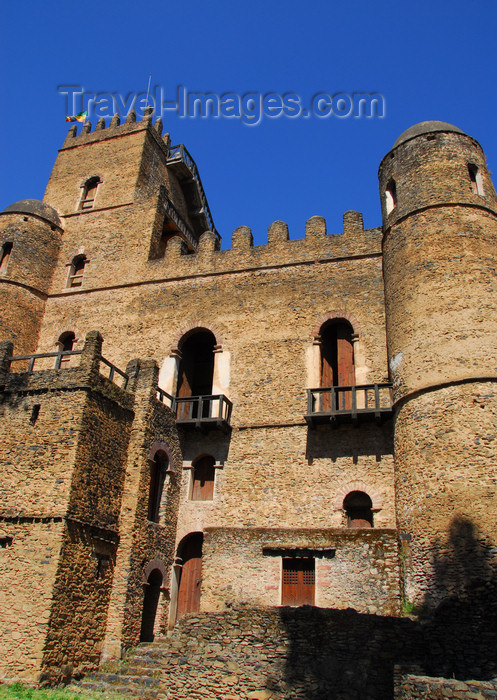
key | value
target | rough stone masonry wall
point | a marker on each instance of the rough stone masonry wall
(35, 487)
(150, 544)
(413, 687)
(448, 504)
(28, 568)
(25, 280)
(305, 653)
(357, 569)
(62, 430)
(265, 320)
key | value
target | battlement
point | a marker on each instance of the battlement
(116, 129)
(317, 245)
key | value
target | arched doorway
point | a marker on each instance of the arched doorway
(358, 507)
(150, 604)
(190, 574)
(337, 363)
(196, 371)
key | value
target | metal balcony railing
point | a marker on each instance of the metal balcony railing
(352, 403)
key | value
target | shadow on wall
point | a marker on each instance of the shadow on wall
(344, 655)
(461, 631)
(375, 440)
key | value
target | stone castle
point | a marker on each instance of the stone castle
(186, 429)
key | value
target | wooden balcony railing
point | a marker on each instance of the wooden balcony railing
(349, 403)
(44, 360)
(204, 412)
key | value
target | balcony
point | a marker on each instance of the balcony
(202, 412)
(184, 167)
(352, 404)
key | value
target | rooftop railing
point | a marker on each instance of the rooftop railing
(180, 153)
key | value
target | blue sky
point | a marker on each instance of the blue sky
(429, 60)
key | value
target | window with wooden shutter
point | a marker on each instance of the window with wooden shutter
(89, 194)
(298, 584)
(203, 479)
(77, 271)
(337, 363)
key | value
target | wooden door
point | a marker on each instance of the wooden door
(298, 582)
(345, 365)
(203, 480)
(191, 575)
(326, 377)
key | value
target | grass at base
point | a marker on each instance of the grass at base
(19, 691)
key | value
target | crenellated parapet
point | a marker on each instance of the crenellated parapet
(116, 129)
(317, 245)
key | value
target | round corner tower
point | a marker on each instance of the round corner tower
(30, 237)
(440, 257)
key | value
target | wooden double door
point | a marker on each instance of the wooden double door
(337, 366)
(298, 583)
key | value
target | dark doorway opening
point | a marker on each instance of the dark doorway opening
(150, 604)
(196, 372)
(358, 507)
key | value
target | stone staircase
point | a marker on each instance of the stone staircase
(266, 654)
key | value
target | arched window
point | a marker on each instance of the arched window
(358, 507)
(89, 193)
(391, 196)
(475, 179)
(77, 271)
(158, 471)
(196, 370)
(5, 255)
(203, 479)
(65, 343)
(337, 362)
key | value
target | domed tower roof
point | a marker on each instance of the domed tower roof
(425, 128)
(36, 207)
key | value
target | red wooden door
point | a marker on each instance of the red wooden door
(345, 362)
(203, 480)
(298, 582)
(191, 576)
(326, 380)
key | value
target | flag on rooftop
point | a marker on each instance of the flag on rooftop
(80, 117)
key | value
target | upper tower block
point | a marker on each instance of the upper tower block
(130, 166)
